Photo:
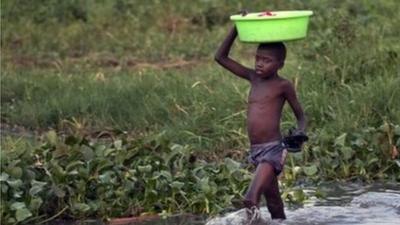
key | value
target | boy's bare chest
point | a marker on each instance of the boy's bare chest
(264, 93)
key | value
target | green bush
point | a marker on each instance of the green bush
(79, 178)
(76, 178)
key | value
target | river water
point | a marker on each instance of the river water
(344, 204)
(350, 203)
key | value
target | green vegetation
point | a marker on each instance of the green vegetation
(84, 179)
(142, 73)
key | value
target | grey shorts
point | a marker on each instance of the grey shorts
(271, 152)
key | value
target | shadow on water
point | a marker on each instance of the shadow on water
(348, 203)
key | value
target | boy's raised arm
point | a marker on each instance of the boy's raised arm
(223, 59)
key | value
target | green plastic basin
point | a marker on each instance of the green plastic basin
(274, 26)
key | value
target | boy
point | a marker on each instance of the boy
(267, 96)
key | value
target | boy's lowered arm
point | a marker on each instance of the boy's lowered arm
(223, 59)
(291, 97)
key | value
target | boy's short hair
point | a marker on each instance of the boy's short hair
(278, 48)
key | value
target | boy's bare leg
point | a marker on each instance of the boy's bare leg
(261, 181)
(274, 200)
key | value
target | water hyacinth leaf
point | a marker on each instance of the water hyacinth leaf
(61, 150)
(4, 176)
(81, 207)
(22, 214)
(204, 185)
(11, 221)
(213, 187)
(310, 170)
(164, 173)
(359, 142)
(58, 191)
(299, 195)
(73, 172)
(316, 149)
(87, 152)
(359, 163)
(177, 185)
(130, 156)
(296, 169)
(99, 150)
(15, 172)
(81, 185)
(172, 156)
(15, 183)
(94, 205)
(37, 187)
(51, 137)
(340, 141)
(17, 205)
(18, 194)
(397, 162)
(56, 169)
(118, 144)
(231, 164)
(238, 175)
(108, 151)
(145, 169)
(73, 165)
(103, 164)
(347, 152)
(14, 163)
(373, 160)
(35, 203)
(397, 130)
(106, 177)
(4, 188)
(177, 147)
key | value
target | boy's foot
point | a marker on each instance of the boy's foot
(252, 211)
(253, 214)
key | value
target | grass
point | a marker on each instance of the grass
(346, 71)
(149, 100)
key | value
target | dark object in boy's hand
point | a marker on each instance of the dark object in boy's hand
(294, 141)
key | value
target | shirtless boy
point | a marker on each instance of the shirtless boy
(267, 96)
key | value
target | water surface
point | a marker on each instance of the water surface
(350, 203)
(345, 204)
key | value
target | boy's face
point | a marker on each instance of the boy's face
(267, 63)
